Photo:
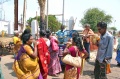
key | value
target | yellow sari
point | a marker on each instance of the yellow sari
(26, 67)
(17, 44)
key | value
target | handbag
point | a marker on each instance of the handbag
(55, 46)
(73, 61)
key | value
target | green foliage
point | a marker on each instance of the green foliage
(93, 16)
(28, 27)
(53, 23)
(113, 28)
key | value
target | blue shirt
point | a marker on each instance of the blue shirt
(62, 36)
(118, 46)
(105, 48)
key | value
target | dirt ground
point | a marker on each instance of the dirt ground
(87, 71)
(6, 40)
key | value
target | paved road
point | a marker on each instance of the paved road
(7, 61)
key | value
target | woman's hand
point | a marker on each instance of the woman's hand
(85, 54)
(34, 42)
(65, 52)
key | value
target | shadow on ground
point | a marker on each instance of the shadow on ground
(91, 63)
(89, 73)
(9, 66)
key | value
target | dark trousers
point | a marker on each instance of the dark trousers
(87, 48)
(100, 70)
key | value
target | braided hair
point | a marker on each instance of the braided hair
(48, 33)
(78, 41)
(26, 37)
(42, 33)
(26, 31)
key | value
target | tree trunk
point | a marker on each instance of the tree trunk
(24, 16)
(15, 14)
(42, 14)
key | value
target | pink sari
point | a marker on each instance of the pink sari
(70, 71)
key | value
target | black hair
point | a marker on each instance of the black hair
(48, 33)
(102, 25)
(78, 42)
(26, 37)
(26, 31)
(75, 34)
(62, 27)
(42, 33)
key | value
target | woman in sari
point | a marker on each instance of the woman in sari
(17, 42)
(26, 62)
(77, 47)
(43, 53)
(54, 66)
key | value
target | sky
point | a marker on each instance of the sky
(75, 8)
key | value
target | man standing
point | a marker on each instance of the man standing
(62, 35)
(105, 49)
(87, 32)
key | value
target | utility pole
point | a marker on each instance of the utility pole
(37, 25)
(63, 13)
(24, 16)
(15, 14)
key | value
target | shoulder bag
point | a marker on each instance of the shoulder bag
(73, 61)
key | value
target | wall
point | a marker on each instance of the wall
(4, 26)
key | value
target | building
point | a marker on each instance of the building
(4, 26)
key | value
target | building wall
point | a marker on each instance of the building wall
(4, 26)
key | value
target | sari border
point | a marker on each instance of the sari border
(30, 75)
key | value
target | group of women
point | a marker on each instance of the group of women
(36, 59)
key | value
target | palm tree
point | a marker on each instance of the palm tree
(42, 14)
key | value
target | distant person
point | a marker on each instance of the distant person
(104, 53)
(17, 42)
(54, 68)
(62, 35)
(87, 32)
(118, 51)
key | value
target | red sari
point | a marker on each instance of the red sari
(44, 57)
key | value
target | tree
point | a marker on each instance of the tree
(53, 23)
(42, 14)
(113, 28)
(93, 16)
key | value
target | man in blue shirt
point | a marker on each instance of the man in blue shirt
(62, 35)
(105, 50)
